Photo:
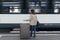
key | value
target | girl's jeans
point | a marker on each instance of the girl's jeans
(33, 28)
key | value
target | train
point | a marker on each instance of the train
(12, 13)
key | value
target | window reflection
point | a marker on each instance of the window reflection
(35, 6)
(36, 10)
(15, 10)
(10, 0)
(56, 7)
(56, 10)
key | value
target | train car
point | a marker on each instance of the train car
(14, 12)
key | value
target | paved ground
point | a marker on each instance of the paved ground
(38, 37)
(45, 37)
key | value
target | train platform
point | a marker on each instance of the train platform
(38, 37)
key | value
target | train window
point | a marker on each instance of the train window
(43, 0)
(11, 7)
(14, 10)
(57, 0)
(43, 4)
(35, 6)
(36, 10)
(10, 0)
(43, 7)
(56, 11)
(57, 7)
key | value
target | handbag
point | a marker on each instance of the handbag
(38, 23)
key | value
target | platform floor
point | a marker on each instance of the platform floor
(38, 37)
(45, 37)
(15, 35)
